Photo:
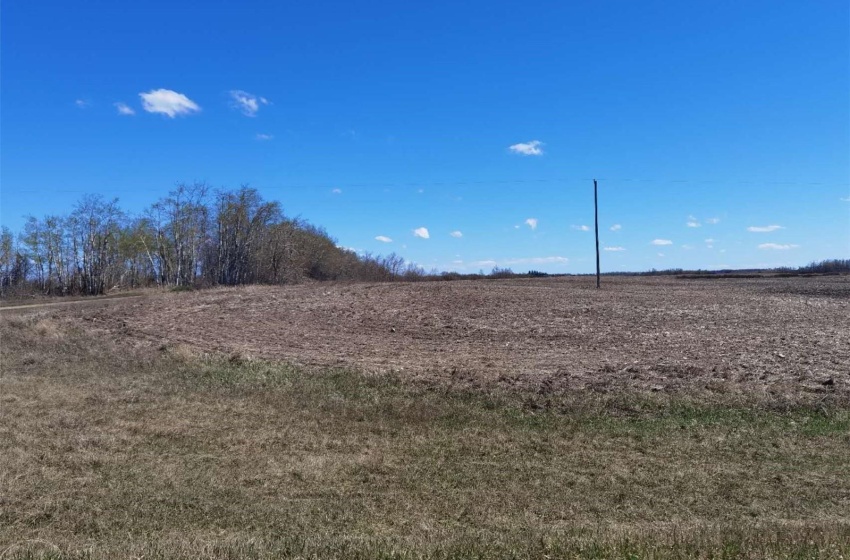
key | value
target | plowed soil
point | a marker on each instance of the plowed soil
(762, 336)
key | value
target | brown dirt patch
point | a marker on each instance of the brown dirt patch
(770, 337)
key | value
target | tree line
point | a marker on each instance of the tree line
(192, 237)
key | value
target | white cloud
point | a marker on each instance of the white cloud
(532, 148)
(616, 227)
(124, 109)
(712, 221)
(580, 228)
(614, 249)
(457, 234)
(687, 247)
(516, 261)
(845, 199)
(168, 102)
(693, 222)
(777, 247)
(246, 102)
(661, 242)
(82, 103)
(709, 240)
(532, 223)
(422, 232)
(537, 260)
(764, 229)
(264, 136)
(660, 254)
(336, 191)
(383, 239)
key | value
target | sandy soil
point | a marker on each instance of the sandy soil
(770, 336)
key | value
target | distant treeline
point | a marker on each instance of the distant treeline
(826, 267)
(191, 238)
(829, 266)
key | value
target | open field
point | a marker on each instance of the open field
(774, 338)
(657, 418)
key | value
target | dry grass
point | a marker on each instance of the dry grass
(109, 450)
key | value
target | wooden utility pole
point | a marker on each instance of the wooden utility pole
(596, 219)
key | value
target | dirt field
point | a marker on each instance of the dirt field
(786, 338)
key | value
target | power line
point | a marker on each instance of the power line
(329, 186)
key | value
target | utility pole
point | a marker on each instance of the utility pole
(596, 219)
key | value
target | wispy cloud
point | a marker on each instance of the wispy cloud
(457, 234)
(532, 223)
(383, 239)
(247, 103)
(661, 242)
(336, 191)
(616, 227)
(764, 229)
(712, 221)
(580, 228)
(847, 199)
(533, 148)
(82, 103)
(777, 246)
(264, 137)
(709, 240)
(660, 254)
(523, 261)
(693, 222)
(614, 249)
(422, 232)
(124, 109)
(168, 102)
(537, 260)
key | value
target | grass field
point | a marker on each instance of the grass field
(114, 446)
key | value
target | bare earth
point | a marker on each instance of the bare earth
(787, 337)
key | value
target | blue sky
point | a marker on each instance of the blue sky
(719, 131)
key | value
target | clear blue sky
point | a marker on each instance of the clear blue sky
(701, 119)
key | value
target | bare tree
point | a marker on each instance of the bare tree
(243, 221)
(45, 246)
(95, 227)
(181, 222)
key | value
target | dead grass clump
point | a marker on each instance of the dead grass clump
(183, 352)
(48, 328)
